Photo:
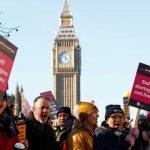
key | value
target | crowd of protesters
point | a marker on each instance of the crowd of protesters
(68, 132)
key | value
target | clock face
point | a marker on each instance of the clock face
(64, 58)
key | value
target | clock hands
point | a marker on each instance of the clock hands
(65, 58)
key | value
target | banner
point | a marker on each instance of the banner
(140, 95)
(53, 104)
(26, 108)
(7, 55)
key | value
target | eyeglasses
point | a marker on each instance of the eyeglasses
(117, 117)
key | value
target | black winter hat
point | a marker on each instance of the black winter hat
(68, 111)
(112, 109)
(65, 110)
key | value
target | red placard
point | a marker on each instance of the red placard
(7, 56)
(48, 94)
(140, 95)
(5, 68)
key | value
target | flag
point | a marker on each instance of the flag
(26, 108)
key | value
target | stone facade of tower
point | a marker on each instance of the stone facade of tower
(66, 62)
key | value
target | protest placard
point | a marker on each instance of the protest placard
(140, 95)
(7, 55)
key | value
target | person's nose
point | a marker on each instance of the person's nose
(44, 110)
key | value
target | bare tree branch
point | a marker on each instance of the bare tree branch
(6, 31)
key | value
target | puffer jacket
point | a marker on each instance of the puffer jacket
(80, 139)
(106, 138)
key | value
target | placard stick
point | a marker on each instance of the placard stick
(135, 121)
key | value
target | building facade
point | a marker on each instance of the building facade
(66, 61)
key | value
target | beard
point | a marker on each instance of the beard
(44, 118)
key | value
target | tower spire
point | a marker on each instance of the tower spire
(66, 11)
(66, 24)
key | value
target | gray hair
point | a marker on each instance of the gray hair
(40, 97)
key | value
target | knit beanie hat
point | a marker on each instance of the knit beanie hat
(112, 109)
(68, 110)
(62, 110)
(85, 109)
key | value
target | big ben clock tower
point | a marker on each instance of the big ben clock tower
(66, 62)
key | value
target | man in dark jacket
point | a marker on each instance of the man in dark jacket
(39, 133)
